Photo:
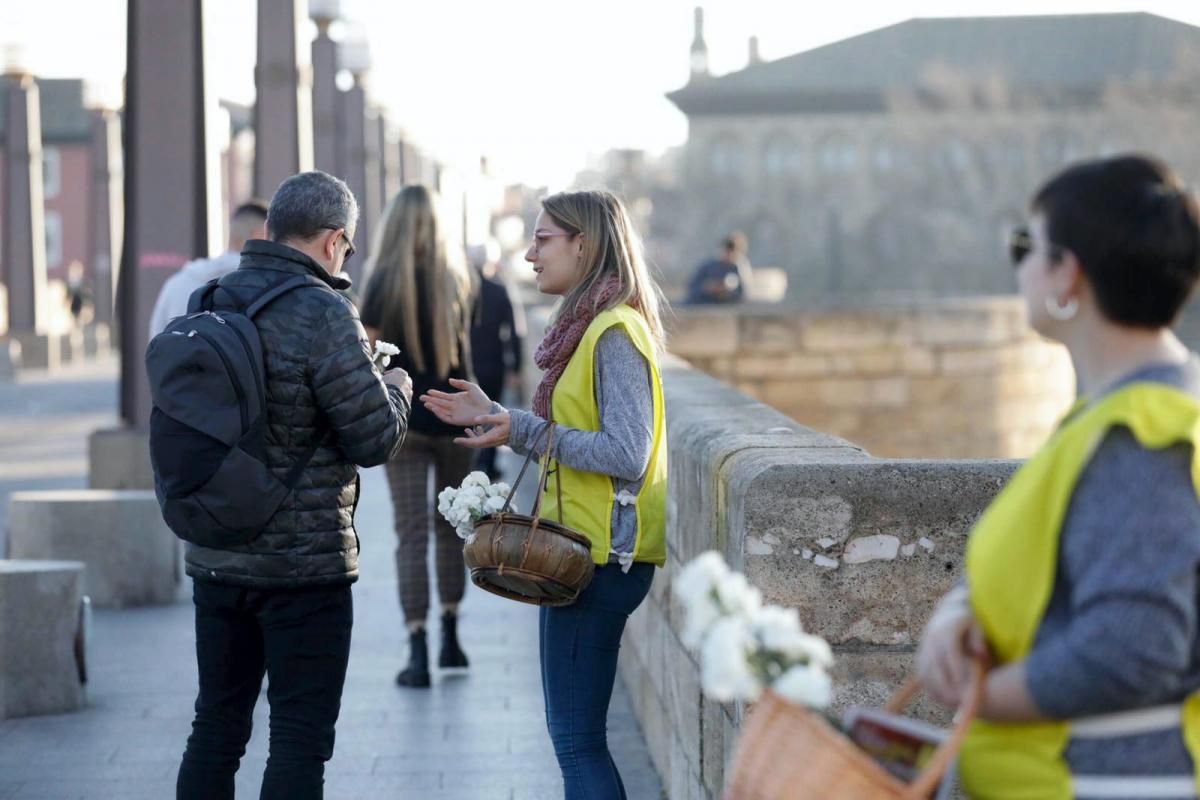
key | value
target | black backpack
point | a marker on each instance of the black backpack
(209, 420)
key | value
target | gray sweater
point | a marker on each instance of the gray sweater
(1120, 631)
(621, 448)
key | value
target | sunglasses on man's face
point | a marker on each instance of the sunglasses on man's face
(349, 244)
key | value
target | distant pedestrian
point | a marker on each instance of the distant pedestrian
(248, 221)
(420, 297)
(497, 335)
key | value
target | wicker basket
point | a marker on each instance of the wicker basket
(527, 558)
(789, 753)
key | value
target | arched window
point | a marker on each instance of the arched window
(782, 157)
(727, 157)
(837, 155)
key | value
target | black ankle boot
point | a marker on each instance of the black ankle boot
(416, 674)
(452, 655)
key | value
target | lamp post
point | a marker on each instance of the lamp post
(326, 129)
(283, 104)
(360, 161)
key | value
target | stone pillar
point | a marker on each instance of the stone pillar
(360, 164)
(372, 184)
(24, 228)
(107, 211)
(408, 165)
(389, 164)
(325, 106)
(169, 168)
(283, 133)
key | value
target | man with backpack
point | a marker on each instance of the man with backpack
(263, 482)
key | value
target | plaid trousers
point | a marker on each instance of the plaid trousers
(414, 504)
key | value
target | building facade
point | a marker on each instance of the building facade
(895, 161)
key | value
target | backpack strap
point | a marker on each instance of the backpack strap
(201, 299)
(275, 292)
(293, 476)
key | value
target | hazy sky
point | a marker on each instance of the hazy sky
(537, 85)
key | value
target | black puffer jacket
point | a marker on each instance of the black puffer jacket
(321, 384)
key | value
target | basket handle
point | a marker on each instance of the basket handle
(935, 770)
(543, 479)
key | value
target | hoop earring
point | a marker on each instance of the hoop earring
(1063, 312)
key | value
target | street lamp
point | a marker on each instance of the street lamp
(354, 53)
(324, 12)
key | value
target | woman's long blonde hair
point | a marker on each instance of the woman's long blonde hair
(411, 239)
(611, 247)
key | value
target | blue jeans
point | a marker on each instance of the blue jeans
(579, 645)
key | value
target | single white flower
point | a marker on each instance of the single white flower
(806, 685)
(699, 578)
(384, 352)
(477, 478)
(698, 619)
(493, 505)
(737, 596)
(725, 672)
(778, 629)
(500, 489)
(446, 499)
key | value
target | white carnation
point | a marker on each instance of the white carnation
(737, 596)
(806, 685)
(476, 479)
(699, 578)
(384, 352)
(725, 669)
(493, 505)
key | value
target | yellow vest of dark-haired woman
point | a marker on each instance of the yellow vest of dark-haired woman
(1011, 561)
(588, 497)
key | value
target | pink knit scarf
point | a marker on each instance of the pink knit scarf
(556, 349)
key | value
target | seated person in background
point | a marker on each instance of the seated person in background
(722, 279)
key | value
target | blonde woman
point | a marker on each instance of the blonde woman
(603, 391)
(419, 297)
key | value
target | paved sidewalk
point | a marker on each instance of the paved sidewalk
(480, 736)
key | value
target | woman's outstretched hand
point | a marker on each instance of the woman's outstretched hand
(471, 410)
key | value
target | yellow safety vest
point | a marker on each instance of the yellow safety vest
(1011, 560)
(588, 497)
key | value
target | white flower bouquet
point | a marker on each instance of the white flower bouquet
(745, 646)
(475, 499)
(383, 353)
(790, 746)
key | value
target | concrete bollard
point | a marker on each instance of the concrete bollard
(131, 556)
(40, 668)
(119, 458)
(10, 359)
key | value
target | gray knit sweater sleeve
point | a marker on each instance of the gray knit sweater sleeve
(621, 448)
(1121, 628)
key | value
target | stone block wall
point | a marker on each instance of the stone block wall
(863, 547)
(924, 379)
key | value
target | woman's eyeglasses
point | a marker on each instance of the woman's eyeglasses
(540, 239)
(1020, 244)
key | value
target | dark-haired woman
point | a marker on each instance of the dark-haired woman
(1081, 578)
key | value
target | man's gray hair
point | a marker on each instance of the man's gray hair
(304, 205)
